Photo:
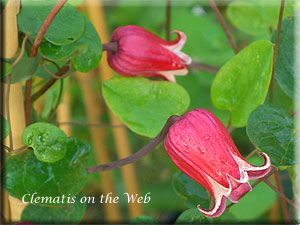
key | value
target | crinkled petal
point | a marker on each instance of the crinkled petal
(237, 189)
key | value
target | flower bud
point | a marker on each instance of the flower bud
(139, 53)
(201, 147)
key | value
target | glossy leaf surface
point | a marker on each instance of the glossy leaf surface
(271, 130)
(143, 105)
(71, 214)
(24, 174)
(63, 29)
(241, 85)
(48, 141)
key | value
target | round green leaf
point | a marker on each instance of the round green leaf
(143, 220)
(67, 26)
(24, 175)
(71, 214)
(5, 126)
(190, 190)
(241, 85)
(271, 129)
(48, 141)
(88, 59)
(285, 69)
(246, 17)
(6, 69)
(144, 105)
(191, 216)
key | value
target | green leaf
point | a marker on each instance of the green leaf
(75, 2)
(143, 220)
(285, 69)
(67, 26)
(48, 141)
(205, 37)
(59, 52)
(246, 17)
(6, 69)
(190, 190)
(144, 105)
(24, 174)
(5, 127)
(241, 85)
(72, 214)
(25, 68)
(257, 17)
(255, 203)
(271, 129)
(89, 59)
(191, 216)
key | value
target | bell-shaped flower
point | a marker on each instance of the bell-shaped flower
(139, 53)
(201, 147)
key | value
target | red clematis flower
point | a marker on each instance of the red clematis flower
(139, 53)
(200, 146)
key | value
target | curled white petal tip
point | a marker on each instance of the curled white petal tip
(217, 210)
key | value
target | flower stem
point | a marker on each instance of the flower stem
(224, 26)
(276, 49)
(110, 46)
(282, 199)
(142, 152)
(34, 52)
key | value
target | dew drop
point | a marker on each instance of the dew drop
(206, 137)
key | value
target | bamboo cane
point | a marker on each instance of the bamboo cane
(16, 106)
(97, 17)
(112, 211)
(63, 113)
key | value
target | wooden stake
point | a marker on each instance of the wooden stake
(16, 106)
(97, 17)
(63, 113)
(91, 101)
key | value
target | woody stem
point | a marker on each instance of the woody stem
(110, 46)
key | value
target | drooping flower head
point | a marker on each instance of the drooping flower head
(201, 147)
(140, 53)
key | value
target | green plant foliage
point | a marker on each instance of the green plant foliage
(86, 52)
(144, 105)
(191, 216)
(24, 174)
(285, 69)
(48, 141)
(190, 190)
(255, 203)
(206, 41)
(90, 59)
(246, 17)
(4, 126)
(71, 214)
(6, 69)
(24, 69)
(257, 17)
(143, 220)
(271, 129)
(67, 26)
(241, 85)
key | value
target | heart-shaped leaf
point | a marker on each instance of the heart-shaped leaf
(71, 214)
(144, 105)
(285, 69)
(190, 190)
(241, 85)
(48, 141)
(67, 26)
(25, 176)
(271, 130)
